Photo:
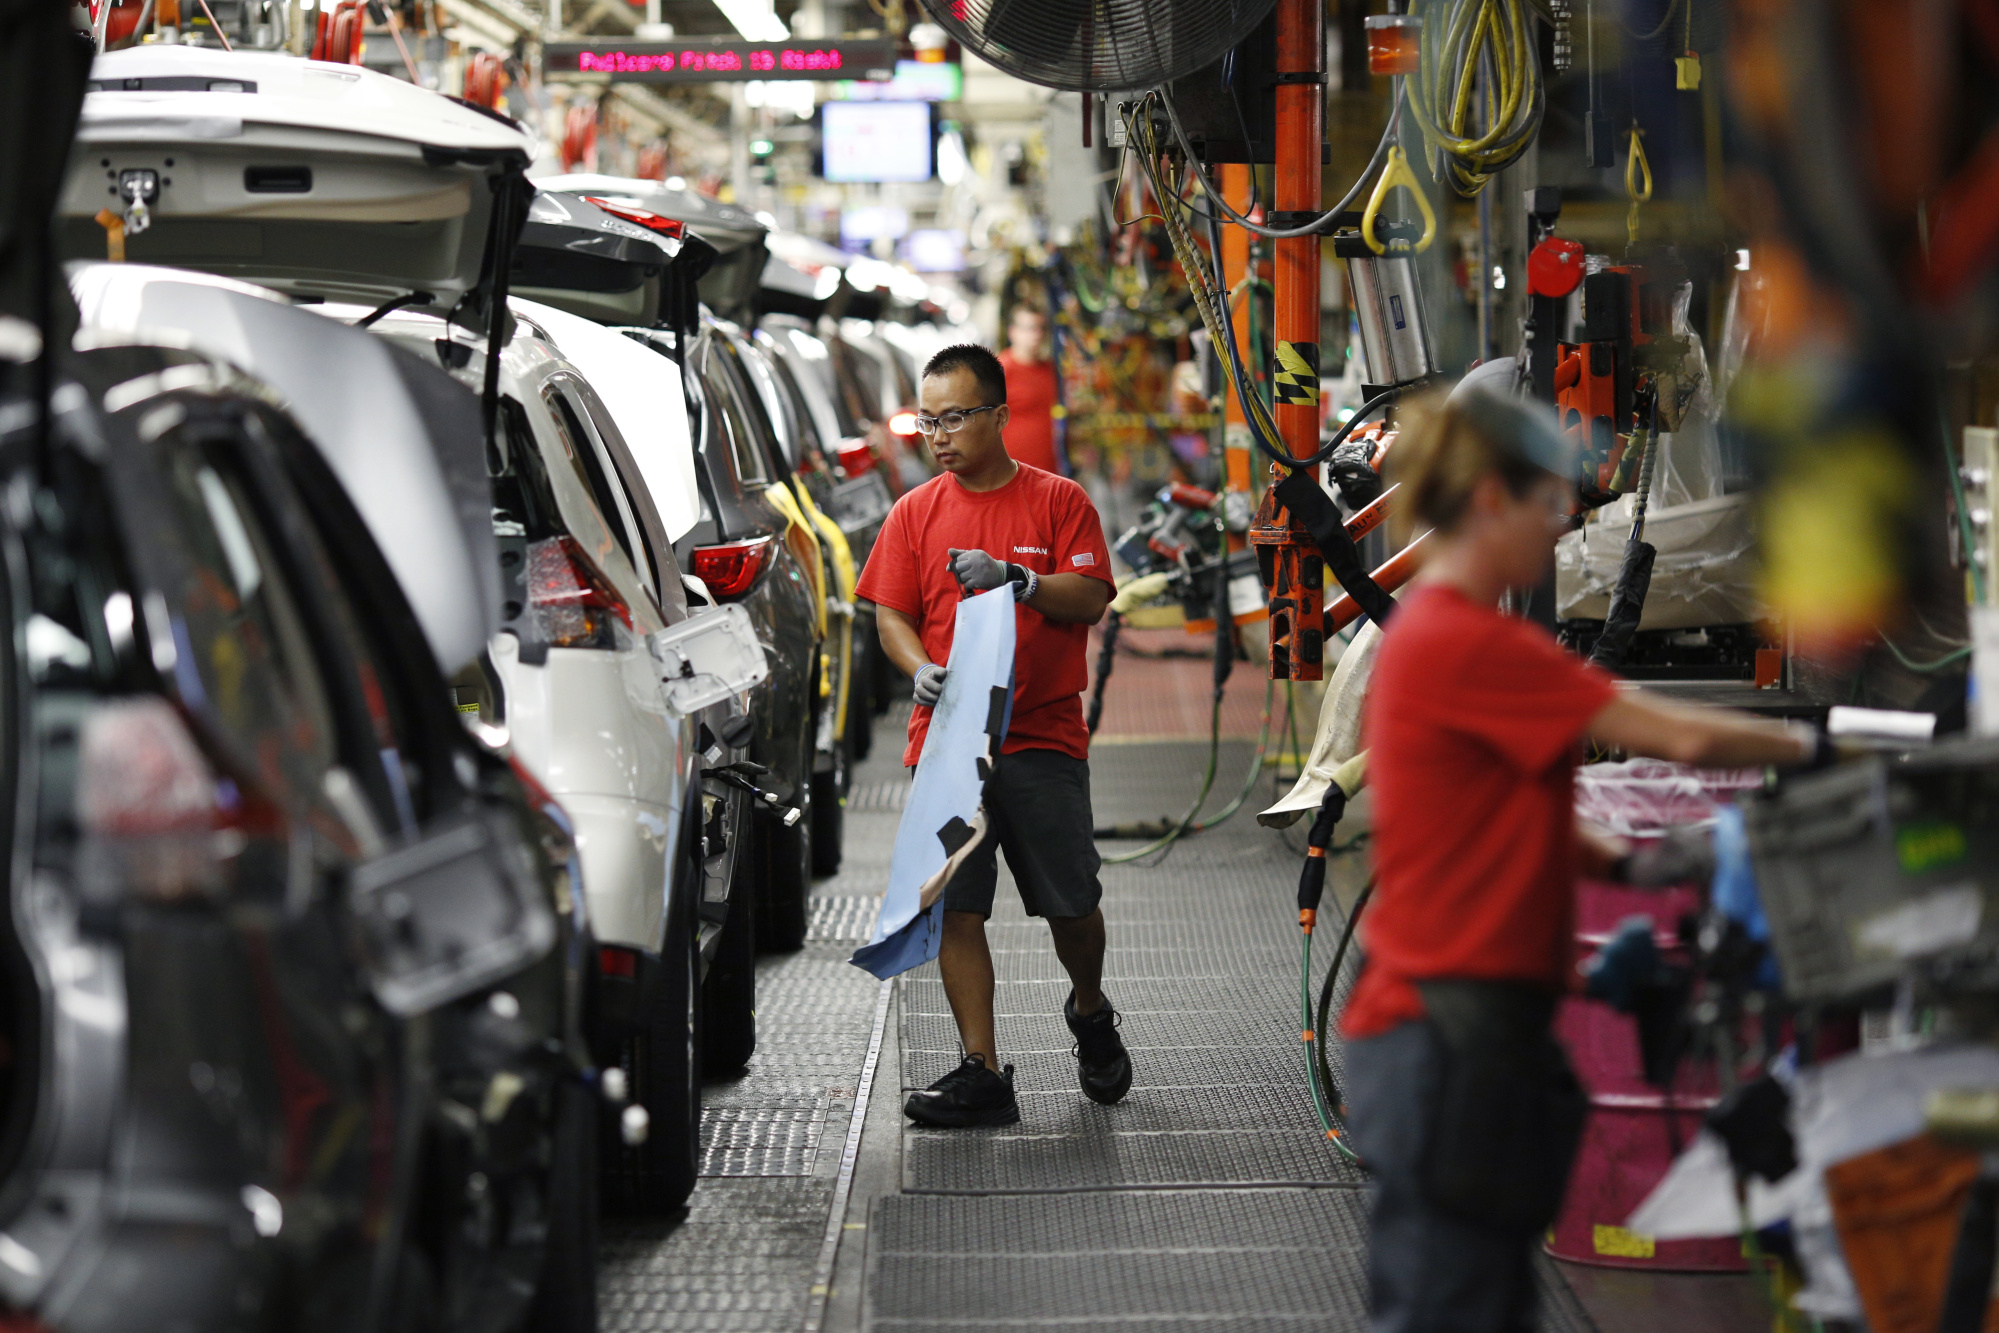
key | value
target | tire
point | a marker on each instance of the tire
(829, 814)
(786, 881)
(729, 994)
(860, 700)
(662, 1063)
(565, 1298)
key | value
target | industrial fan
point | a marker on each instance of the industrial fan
(1097, 46)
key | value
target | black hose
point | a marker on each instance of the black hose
(1244, 392)
(1634, 577)
(1106, 657)
(1224, 619)
(1969, 1290)
(1328, 1085)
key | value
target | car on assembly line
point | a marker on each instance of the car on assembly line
(881, 393)
(294, 964)
(575, 678)
(836, 572)
(834, 460)
(368, 201)
(762, 541)
(752, 546)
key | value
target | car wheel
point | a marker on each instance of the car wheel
(787, 871)
(729, 994)
(860, 700)
(662, 1063)
(829, 814)
(565, 1299)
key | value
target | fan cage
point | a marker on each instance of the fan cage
(1098, 46)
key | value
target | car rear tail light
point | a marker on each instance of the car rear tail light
(147, 802)
(903, 423)
(646, 218)
(570, 599)
(614, 961)
(856, 458)
(732, 569)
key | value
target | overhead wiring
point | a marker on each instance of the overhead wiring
(1213, 305)
(1477, 95)
(1317, 226)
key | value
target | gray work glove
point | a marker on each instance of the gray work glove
(929, 684)
(976, 570)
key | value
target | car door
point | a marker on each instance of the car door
(255, 1047)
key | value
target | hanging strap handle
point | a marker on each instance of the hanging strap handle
(1396, 173)
(1635, 167)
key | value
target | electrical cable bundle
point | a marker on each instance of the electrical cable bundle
(1477, 92)
(1211, 302)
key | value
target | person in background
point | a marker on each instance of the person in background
(1030, 390)
(990, 522)
(1460, 1100)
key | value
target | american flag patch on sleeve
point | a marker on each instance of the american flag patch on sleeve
(1086, 558)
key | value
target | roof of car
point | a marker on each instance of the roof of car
(182, 92)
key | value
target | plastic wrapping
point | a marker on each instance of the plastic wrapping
(1705, 573)
(1839, 1110)
(1643, 798)
(1337, 737)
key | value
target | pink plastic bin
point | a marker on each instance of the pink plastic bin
(1634, 1131)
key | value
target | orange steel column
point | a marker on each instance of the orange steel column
(1235, 268)
(1297, 612)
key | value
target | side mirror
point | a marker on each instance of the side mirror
(711, 656)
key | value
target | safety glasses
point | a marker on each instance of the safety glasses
(951, 422)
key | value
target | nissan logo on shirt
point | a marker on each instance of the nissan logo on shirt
(1030, 550)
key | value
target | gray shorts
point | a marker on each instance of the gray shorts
(1038, 802)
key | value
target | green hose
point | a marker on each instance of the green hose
(1326, 1096)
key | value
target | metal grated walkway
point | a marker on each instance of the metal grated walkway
(1206, 1202)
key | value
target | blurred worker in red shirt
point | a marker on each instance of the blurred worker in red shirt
(1461, 1102)
(989, 522)
(1030, 391)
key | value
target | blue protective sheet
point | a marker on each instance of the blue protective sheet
(942, 823)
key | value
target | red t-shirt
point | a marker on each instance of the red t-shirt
(1039, 521)
(1030, 402)
(1472, 725)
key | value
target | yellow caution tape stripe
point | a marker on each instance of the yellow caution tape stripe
(1295, 380)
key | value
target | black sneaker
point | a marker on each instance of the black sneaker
(1102, 1064)
(969, 1095)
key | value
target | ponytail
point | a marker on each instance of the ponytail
(1441, 453)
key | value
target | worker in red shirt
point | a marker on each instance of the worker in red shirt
(990, 521)
(1030, 390)
(1460, 1101)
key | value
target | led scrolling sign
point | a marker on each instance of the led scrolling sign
(694, 61)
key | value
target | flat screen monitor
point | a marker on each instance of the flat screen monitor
(876, 141)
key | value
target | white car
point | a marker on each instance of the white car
(365, 199)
